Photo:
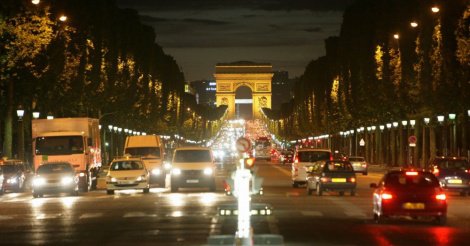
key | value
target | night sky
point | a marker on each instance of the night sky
(201, 33)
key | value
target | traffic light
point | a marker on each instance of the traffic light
(249, 162)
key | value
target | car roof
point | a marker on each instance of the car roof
(127, 159)
(193, 148)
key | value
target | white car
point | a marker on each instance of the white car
(193, 167)
(359, 164)
(127, 173)
(55, 177)
(303, 159)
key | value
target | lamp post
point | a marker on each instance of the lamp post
(394, 143)
(453, 142)
(443, 145)
(20, 114)
(424, 152)
(110, 127)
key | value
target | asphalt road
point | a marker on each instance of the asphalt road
(190, 216)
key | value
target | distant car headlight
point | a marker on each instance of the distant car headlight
(38, 181)
(66, 180)
(81, 174)
(166, 165)
(176, 171)
(208, 171)
(156, 171)
(12, 180)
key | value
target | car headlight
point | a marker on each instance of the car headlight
(38, 181)
(141, 178)
(156, 171)
(12, 180)
(66, 180)
(111, 179)
(166, 165)
(208, 171)
(176, 171)
(81, 174)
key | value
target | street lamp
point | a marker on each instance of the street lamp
(396, 36)
(20, 114)
(63, 18)
(453, 133)
(35, 2)
(440, 119)
(426, 121)
(50, 116)
(414, 24)
(36, 115)
(435, 9)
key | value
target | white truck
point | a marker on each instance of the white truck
(151, 149)
(73, 140)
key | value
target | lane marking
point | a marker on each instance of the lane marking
(138, 215)
(48, 216)
(312, 213)
(5, 217)
(90, 215)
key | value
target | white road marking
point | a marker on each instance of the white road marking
(137, 215)
(47, 216)
(312, 213)
(90, 215)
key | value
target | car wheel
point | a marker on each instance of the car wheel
(295, 184)
(441, 220)
(353, 192)
(109, 192)
(319, 190)
(146, 190)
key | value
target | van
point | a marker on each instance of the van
(151, 149)
(303, 159)
(192, 167)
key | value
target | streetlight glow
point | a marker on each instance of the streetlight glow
(63, 18)
(20, 112)
(435, 9)
(452, 116)
(440, 118)
(110, 127)
(426, 120)
(412, 123)
(404, 122)
(389, 125)
(36, 115)
(414, 24)
(35, 2)
(396, 36)
(395, 124)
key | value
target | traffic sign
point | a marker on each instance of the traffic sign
(362, 142)
(412, 140)
(243, 144)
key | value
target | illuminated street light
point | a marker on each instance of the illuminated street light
(404, 122)
(63, 18)
(468, 113)
(412, 123)
(426, 120)
(115, 128)
(110, 127)
(440, 118)
(451, 116)
(395, 124)
(396, 36)
(435, 9)
(35, 2)
(373, 128)
(382, 127)
(50, 116)
(20, 114)
(36, 115)
(414, 24)
(389, 125)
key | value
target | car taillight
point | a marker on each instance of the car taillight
(364, 165)
(386, 196)
(441, 197)
(296, 159)
(435, 171)
(411, 173)
(352, 180)
(331, 157)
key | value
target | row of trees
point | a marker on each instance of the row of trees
(85, 58)
(382, 68)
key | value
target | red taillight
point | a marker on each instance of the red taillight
(325, 179)
(331, 157)
(352, 180)
(411, 173)
(441, 197)
(386, 196)
(296, 160)
(467, 171)
(435, 171)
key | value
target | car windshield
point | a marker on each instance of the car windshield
(126, 165)
(144, 151)
(356, 159)
(193, 156)
(338, 167)
(312, 156)
(414, 179)
(64, 145)
(453, 164)
(55, 168)
(10, 168)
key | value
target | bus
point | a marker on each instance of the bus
(262, 148)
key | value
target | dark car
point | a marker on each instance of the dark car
(409, 193)
(336, 175)
(55, 177)
(287, 157)
(15, 175)
(453, 173)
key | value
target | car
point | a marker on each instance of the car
(55, 177)
(193, 167)
(453, 173)
(127, 173)
(303, 158)
(410, 193)
(359, 164)
(16, 174)
(336, 175)
(287, 157)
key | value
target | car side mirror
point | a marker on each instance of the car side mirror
(373, 185)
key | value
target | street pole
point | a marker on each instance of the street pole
(20, 114)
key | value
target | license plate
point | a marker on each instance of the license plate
(338, 180)
(192, 181)
(125, 182)
(414, 206)
(454, 181)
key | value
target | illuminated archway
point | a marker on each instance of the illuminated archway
(256, 76)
